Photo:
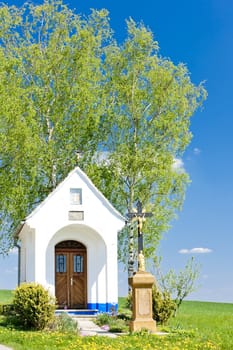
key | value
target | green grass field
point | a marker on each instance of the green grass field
(212, 320)
(6, 296)
(197, 326)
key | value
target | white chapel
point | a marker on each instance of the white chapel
(69, 245)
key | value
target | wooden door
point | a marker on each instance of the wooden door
(78, 279)
(70, 275)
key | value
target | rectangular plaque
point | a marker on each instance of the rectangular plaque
(143, 297)
(76, 215)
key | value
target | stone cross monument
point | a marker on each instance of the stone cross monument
(141, 282)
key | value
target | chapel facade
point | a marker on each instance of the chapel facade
(69, 245)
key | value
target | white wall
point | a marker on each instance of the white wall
(96, 260)
(49, 224)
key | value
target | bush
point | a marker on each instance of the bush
(34, 306)
(65, 324)
(129, 300)
(6, 309)
(163, 306)
(118, 325)
(103, 319)
(114, 323)
(126, 316)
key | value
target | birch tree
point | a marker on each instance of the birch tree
(51, 100)
(67, 85)
(147, 128)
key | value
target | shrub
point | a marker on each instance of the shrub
(180, 284)
(129, 300)
(126, 316)
(34, 306)
(6, 309)
(103, 319)
(65, 324)
(114, 323)
(117, 325)
(163, 306)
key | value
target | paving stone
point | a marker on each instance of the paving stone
(88, 327)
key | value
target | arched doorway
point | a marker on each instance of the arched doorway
(71, 275)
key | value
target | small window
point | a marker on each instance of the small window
(61, 263)
(75, 196)
(78, 263)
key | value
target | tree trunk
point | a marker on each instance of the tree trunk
(131, 251)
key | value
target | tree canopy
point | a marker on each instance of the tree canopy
(146, 124)
(51, 100)
(65, 86)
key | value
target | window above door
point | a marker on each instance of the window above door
(75, 196)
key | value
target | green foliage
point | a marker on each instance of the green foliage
(6, 309)
(64, 323)
(66, 85)
(114, 323)
(122, 304)
(6, 296)
(103, 319)
(163, 306)
(34, 306)
(117, 325)
(145, 129)
(198, 326)
(129, 300)
(180, 284)
(125, 308)
(51, 100)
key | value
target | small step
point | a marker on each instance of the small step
(78, 312)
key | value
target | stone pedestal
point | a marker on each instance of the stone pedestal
(141, 284)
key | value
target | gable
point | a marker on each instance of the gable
(76, 199)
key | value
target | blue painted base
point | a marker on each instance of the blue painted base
(101, 307)
(77, 312)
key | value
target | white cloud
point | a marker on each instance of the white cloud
(184, 251)
(195, 251)
(201, 250)
(196, 151)
(178, 165)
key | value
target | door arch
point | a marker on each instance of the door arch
(71, 275)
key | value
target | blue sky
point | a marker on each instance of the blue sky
(198, 33)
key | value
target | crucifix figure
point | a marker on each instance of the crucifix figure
(140, 216)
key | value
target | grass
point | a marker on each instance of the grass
(212, 320)
(6, 296)
(123, 307)
(198, 326)
(20, 340)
